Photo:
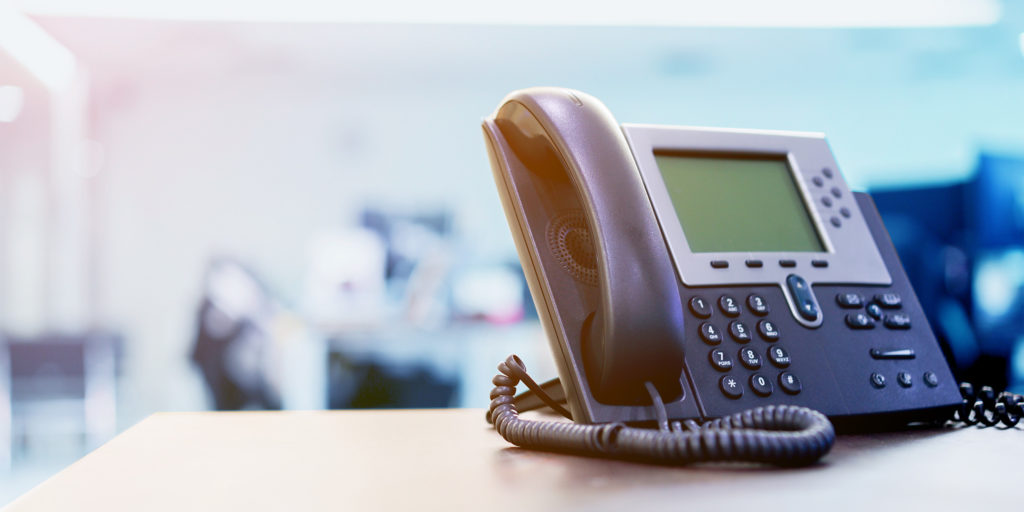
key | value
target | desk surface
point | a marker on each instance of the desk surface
(452, 460)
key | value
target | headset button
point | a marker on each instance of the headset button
(878, 380)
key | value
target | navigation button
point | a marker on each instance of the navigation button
(802, 297)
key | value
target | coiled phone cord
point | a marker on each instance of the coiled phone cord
(783, 435)
(988, 408)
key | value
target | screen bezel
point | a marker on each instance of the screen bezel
(850, 252)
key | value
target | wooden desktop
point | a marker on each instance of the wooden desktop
(452, 460)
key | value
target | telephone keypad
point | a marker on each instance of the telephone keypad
(720, 360)
(710, 334)
(789, 383)
(768, 331)
(700, 307)
(749, 370)
(729, 306)
(750, 358)
(731, 386)
(779, 357)
(739, 331)
(760, 384)
(758, 305)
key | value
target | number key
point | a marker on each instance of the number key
(739, 332)
(729, 306)
(757, 304)
(710, 334)
(768, 330)
(750, 358)
(720, 360)
(700, 307)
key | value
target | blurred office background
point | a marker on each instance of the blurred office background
(245, 205)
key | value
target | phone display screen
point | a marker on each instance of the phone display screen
(733, 203)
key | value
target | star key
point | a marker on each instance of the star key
(730, 387)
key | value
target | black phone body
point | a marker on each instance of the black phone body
(726, 268)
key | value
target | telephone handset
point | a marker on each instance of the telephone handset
(685, 274)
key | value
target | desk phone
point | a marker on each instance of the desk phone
(686, 274)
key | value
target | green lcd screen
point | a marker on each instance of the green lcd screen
(738, 204)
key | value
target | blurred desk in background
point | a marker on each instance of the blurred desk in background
(452, 460)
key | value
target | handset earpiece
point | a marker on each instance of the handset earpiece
(636, 334)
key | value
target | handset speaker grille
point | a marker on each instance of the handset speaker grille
(570, 241)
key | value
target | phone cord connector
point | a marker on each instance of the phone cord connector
(987, 408)
(782, 435)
